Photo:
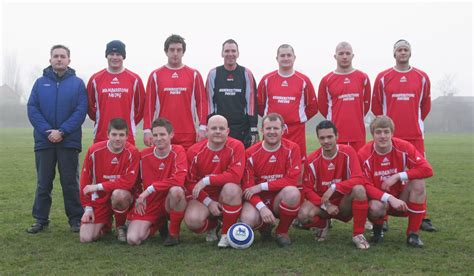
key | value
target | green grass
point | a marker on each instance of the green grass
(58, 251)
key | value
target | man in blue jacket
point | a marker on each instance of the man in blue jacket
(57, 108)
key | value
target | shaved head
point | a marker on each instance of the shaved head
(343, 45)
(217, 131)
(217, 119)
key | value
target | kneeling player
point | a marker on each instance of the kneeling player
(334, 187)
(270, 183)
(107, 180)
(163, 170)
(216, 166)
(396, 167)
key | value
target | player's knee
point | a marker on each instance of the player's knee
(193, 221)
(121, 199)
(133, 238)
(303, 215)
(83, 238)
(376, 209)
(231, 194)
(249, 218)
(417, 186)
(358, 192)
(291, 195)
(177, 193)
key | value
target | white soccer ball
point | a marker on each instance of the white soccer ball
(240, 235)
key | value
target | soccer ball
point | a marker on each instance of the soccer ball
(240, 235)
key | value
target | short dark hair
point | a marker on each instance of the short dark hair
(162, 122)
(285, 46)
(274, 117)
(60, 46)
(230, 41)
(174, 38)
(325, 124)
(118, 124)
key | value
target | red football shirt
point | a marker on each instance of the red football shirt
(112, 170)
(404, 97)
(112, 96)
(345, 99)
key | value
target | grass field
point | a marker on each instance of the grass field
(58, 251)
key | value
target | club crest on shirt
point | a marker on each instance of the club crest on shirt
(230, 77)
(162, 166)
(284, 83)
(114, 161)
(216, 159)
(331, 167)
(403, 79)
(347, 81)
(175, 75)
(115, 81)
(385, 162)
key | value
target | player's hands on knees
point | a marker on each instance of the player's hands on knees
(249, 192)
(398, 204)
(332, 210)
(267, 215)
(140, 203)
(389, 182)
(326, 196)
(197, 189)
(88, 189)
(148, 139)
(215, 208)
(88, 217)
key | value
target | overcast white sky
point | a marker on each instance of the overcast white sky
(440, 35)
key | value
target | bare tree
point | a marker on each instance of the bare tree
(446, 85)
(11, 75)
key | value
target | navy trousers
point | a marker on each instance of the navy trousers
(68, 165)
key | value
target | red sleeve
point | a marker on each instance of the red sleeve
(323, 98)
(92, 108)
(249, 181)
(129, 176)
(426, 101)
(200, 96)
(192, 176)
(261, 97)
(293, 172)
(177, 176)
(139, 101)
(308, 184)
(150, 102)
(372, 191)
(377, 99)
(86, 179)
(234, 171)
(418, 166)
(355, 172)
(311, 101)
(366, 95)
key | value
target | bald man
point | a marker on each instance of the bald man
(344, 98)
(216, 167)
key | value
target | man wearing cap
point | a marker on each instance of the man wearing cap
(403, 94)
(115, 92)
(176, 92)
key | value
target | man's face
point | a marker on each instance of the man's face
(402, 54)
(272, 132)
(383, 138)
(161, 138)
(230, 53)
(344, 57)
(327, 138)
(175, 54)
(217, 131)
(117, 138)
(286, 58)
(115, 61)
(59, 60)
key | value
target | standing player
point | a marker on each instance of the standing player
(176, 92)
(394, 166)
(163, 171)
(108, 176)
(216, 166)
(270, 182)
(231, 91)
(334, 187)
(403, 94)
(344, 98)
(115, 92)
(290, 94)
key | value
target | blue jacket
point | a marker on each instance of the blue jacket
(58, 103)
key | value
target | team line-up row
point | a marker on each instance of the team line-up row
(59, 102)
